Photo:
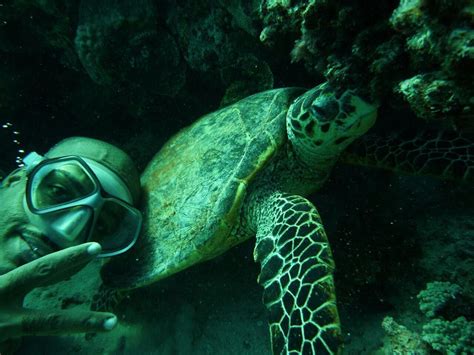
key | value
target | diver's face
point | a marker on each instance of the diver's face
(65, 206)
(20, 242)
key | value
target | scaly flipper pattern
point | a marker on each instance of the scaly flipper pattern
(297, 275)
(446, 155)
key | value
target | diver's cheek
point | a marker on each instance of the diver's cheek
(16, 252)
(5, 266)
(7, 256)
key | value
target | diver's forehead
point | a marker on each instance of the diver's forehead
(73, 169)
(70, 172)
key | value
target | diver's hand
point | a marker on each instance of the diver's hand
(16, 321)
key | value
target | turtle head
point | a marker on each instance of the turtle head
(322, 122)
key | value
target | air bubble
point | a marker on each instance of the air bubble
(14, 135)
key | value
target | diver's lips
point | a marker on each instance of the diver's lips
(35, 242)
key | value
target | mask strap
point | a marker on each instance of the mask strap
(32, 160)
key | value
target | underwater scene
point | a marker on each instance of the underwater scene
(236, 177)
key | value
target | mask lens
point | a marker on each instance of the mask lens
(117, 226)
(59, 183)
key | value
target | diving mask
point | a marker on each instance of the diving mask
(74, 200)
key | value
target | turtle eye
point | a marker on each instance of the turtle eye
(325, 110)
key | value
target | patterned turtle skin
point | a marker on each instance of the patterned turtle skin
(242, 172)
(445, 154)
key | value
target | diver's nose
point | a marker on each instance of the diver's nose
(72, 224)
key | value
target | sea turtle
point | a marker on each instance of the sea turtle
(240, 172)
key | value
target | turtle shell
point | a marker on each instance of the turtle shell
(195, 185)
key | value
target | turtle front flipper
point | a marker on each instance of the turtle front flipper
(297, 275)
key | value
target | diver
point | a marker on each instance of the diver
(57, 213)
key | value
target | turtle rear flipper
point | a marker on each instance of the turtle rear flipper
(297, 276)
(445, 154)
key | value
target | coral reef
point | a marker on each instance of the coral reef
(449, 328)
(437, 296)
(409, 53)
(401, 340)
(450, 337)
(421, 50)
(448, 331)
(345, 42)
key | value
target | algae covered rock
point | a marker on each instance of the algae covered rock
(213, 35)
(401, 340)
(433, 97)
(244, 14)
(247, 76)
(219, 42)
(202, 33)
(439, 40)
(122, 43)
